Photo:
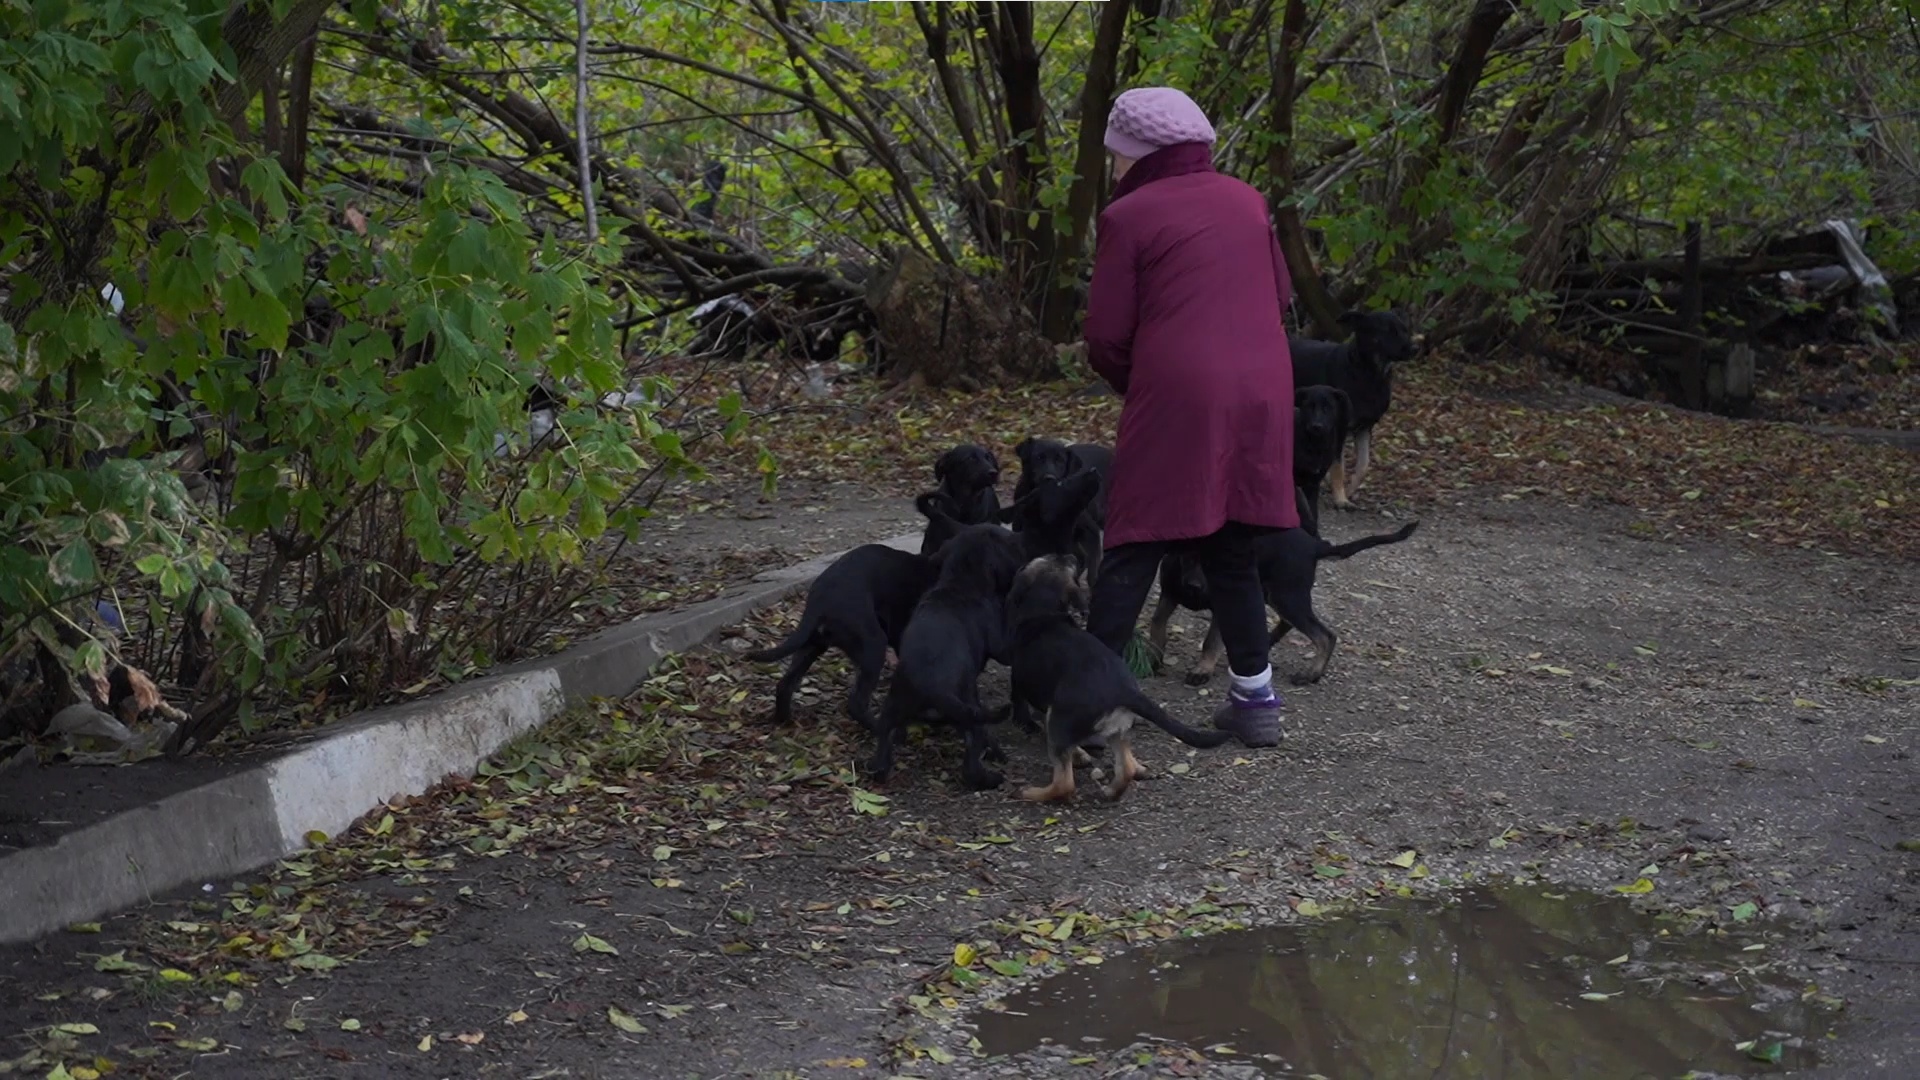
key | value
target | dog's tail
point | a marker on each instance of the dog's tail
(801, 636)
(1355, 547)
(1206, 740)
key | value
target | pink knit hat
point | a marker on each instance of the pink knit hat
(1145, 119)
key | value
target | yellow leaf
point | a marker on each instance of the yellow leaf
(516, 1017)
(964, 955)
(1404, 860)
(472, 1038)
(1640, 887)
(84, 928)
(83, 1072)
(624, 1022)
(1308, 908)
(1419, 871)
(845, 1063)
(315, 838)
(1064, 930)
(76, 1029)
(174, 975)
(426, 1043)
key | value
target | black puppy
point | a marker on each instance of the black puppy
(967, 475)
(1085, 690)
(859, 605)
(1321, 417)
(1363, 369)
(956, 628)
(1288, 559)
(1044, 461)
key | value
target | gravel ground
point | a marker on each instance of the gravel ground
(1521, 689)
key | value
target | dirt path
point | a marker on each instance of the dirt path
(1520, 689)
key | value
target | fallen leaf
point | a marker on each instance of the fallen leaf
(1180, 768)
(349, 1025)
(662, 853)
(516, 1017)
(425, 1044)
(1639, 887)
(472, 1038)
(314, 961)
(1404, 860)
(587, 942)
(198, 1046)
(76, 1029)
(1743, 911)
(1874, 739)
(1308, 907)
(1599, 996)
(624, 1022)
(84, 928)
(964, 954)
(174, 975)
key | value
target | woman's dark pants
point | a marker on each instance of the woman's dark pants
(1127, 573)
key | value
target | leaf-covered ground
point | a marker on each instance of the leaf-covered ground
(667, 887)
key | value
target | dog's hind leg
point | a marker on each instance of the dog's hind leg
(1126, 767)
(1210, 653)
(1157, 629)
(1337, 479)
(783, 690)
(869, 657)
(1362, 458)
(1295, 606)
(894, 715)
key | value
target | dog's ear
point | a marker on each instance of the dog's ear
(1300, 396)
(1025, 449)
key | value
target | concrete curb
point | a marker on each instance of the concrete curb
(264, 812)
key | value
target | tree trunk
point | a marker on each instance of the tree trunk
(1307, 286)
(1060, 307)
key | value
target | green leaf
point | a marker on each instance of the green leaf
(589, 943)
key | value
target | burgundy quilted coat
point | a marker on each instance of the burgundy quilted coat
(1184, 321)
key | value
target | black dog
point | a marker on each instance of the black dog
(957, 627)
(966, 475)
(1321, 417)
(1363, 370)
(1085, 690)
(1288, 560)
(859, 605)
(1044, 461)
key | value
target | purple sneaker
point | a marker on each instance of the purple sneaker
(1255, 721)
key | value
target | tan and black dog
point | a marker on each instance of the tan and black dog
(1082, 687)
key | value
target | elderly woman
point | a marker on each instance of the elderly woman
(1184, 322)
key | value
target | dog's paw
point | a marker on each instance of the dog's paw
(986, 780)
(1199, 678)
(995, 755)
(1042, 794)
(1305, 678)
(1082, 756)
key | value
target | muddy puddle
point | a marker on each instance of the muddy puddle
(1505, 982)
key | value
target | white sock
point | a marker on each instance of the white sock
(1253, 686)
